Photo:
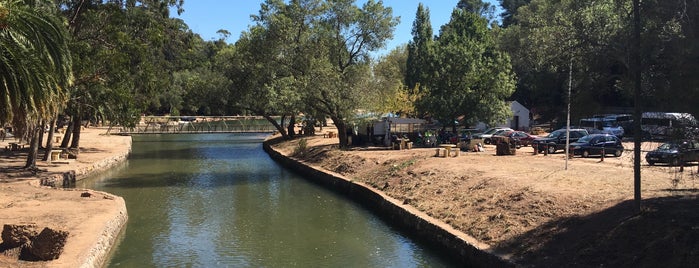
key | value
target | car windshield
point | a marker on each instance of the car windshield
(490, 131)
(557, 133)
(668, 146)
(587, 138)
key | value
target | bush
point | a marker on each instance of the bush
(301, 148)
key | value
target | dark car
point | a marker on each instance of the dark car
(519, 138)
(522, 138)
(557, 140)
(674, 153)
(596, 144)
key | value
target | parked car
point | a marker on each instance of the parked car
(600, 125)
(520, 138)
(501, 132)
(595, 144)
(556, 140)
(674, 153)
(486, 135)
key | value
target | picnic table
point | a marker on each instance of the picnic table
(13, 146)
(446, 149)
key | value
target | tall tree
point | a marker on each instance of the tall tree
(316, 51)
(419, 50)
(474, 78)
(510, 11)
(125, 53)
(35, 66)
(348, 34)
(478, 7)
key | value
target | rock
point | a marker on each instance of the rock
(85, 194)
(15, 235)
(48, 245)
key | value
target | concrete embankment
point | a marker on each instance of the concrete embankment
(467, 250)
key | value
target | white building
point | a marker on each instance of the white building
(519, 120)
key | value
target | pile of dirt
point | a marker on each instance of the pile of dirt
(530, 207)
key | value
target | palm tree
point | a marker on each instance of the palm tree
(35, 66)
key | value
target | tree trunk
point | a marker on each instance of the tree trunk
(279, 127)
(341, 132)
(49, 143)
(290, 128)
(75, 142)
(42, 126)
(33, 148)
(67, 134)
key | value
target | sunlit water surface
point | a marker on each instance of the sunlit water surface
(218, 200)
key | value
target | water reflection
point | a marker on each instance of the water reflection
(219, 201)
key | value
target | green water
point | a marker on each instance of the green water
(218, 200)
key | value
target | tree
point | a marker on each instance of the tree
(271, 62)
(310, 56)
(348, 33)
(473, 79)
(35, 66)
(389, 94)
(419, 67)
(548, 36)
(510, 11)
(478, 7)
(125, 54)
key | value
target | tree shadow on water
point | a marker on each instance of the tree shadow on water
(664, 234)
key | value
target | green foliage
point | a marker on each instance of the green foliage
(389, 94)
(35, 63)
(595, 35)
(419, 65)
(309, 56)
(473, 78)
(550, 36)
(510, 8)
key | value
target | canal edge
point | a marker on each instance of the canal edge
(455, 243)
(99, 251)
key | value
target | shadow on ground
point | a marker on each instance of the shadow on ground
(664, 234)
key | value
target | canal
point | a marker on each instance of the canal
(218, 200)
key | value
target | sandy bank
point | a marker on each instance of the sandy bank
(93, 222)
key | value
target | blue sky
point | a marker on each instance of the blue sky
(206, 17)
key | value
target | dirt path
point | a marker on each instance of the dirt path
(528, 207)
(92, 222)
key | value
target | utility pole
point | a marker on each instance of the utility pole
(636, 58)
(570, 85)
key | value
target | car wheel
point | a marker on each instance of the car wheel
(486, 141)
(552, 148)
(586, 154)
(618, 153)
(650, 163)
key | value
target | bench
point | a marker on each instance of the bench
(441, 152)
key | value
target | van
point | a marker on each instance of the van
(667, 125)
(599, 125)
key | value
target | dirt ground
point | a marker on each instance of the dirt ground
(23, 201)
(529, 208)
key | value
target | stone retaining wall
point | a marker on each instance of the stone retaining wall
(465, 249)
(100, 251)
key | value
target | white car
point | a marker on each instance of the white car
(490, 132)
